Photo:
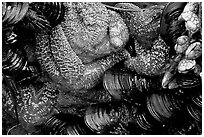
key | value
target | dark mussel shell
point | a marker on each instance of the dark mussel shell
(163, 106)
(106, 117)
(170, 29)
(128, 86)
(15, 64)
(183, 125)
(53, 11)
(65, 124)
(146, 122)
(13, 12)
(188, 81)
(118, 84)
(195, 111)
(197, 99)
(12, 61)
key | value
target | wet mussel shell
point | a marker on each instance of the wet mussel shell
(163, 106)
(53, 11)
(188, 81)
(171, 13)
(65, 124)
(194, 111)
(13, 61)
(105, 117)
(13, 12)
(128, 86)
(197, 99)
(146, 122)
(118, 84)
(183, 125)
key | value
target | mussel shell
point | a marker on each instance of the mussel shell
(107, 116)
(117, 84)
(13, 62)
(188, 81)
(170, 13)
(197, 100)
(183, 125)
(195, 112)
(65, 124)
(128, 86)
(147, 122)
(53, 11)
(97, 118)
(163, 106)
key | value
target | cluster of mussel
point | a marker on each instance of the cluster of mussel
(137, 104)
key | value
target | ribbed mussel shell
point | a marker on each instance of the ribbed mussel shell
(103, 118)
(146, 122)
(163, 106)
(13, 12)
(183, 125)
(12, 61)
(123, 85)
(65, 124)
(53, 11)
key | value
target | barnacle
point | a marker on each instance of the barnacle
(66, 69)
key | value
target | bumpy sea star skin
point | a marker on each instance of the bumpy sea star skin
(143, 24)
(37, 106)
(64, 66)
(33, 106)
(92, 30)
(149, 62)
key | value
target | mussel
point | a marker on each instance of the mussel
(106, 117)
(163, 106)
(170, 28)
(53, 11)
(15, 64)
(183, 125)
(65, 124)
(195, 112)
(13, 12)
(124, 85)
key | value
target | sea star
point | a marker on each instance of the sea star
(33, 106)
(92, 30)
(59, 53)
(143, 24)
(149, 62)
(151, 50)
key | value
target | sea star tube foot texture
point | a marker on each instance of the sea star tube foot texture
(93, 31)
(149, 62)
(63, 65)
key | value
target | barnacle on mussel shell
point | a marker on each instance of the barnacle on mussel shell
(170, 28)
